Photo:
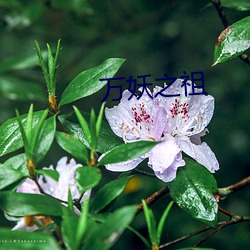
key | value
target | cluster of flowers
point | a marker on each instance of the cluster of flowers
(177, 122)
(58, 189)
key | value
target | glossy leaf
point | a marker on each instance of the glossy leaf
(73, 146)
(151, 223)
(87, 82)
(108, 193)
(127, 152)
(19, 90)
(20, 204)
(162, 221)
(69, 230)
(193, 191)
(16, 240)
(18, 162)
(241, 5)
(10, 136)
(232, 41)
(107, 138)
(105, 235)
(46, 137)
(84, 125)
(8, 176)
(87, 177)
(53, 174)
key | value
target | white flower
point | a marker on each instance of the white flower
(178, 121)
(58, 189)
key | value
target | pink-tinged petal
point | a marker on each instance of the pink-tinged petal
(59, 189)
(29, 187)
(201, 153)
(187, 115)
(196, 139)
(165, 158)
(124, 166)
(136, 119)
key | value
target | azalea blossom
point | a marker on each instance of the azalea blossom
(178, 122)
(58, 189)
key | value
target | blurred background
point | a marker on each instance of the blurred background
(157, 38)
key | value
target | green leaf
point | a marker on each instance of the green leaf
(92, 127)
(241, 5)
(87, 82)
(10, 136)
(53, 174)
(84, 125)
(8, 176)
(107, 139)
(87, 177)
(82, 223)
(105, 235)
(162, 221)
(193, 191)
(74, 228)
(73, 146)
(127, 152)
(99, 121)
(19, 90)
(20, 204)
(151, 223)
(46, 138)
(69, 230)
(108, 193)
(18, 162)
(16, 240)
(232, 41)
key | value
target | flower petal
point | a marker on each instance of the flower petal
(124, 166)
(136, 119)
(29, 187)
(165, 158)
(65, 182)
(187, 115)
(201, 153)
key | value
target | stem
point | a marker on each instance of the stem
(144, 173)
(224, 192)
(235, 220)
(152, 198)
(226, 23)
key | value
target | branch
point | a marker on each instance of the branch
(144, 173)
(152, 198)
(235, 220)
(226, 23)
(223, 192)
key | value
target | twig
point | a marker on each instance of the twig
(226, 23)
(152, 198)
(235, 220)
(144, 173)
(204, 229)
(224, 211)
(223, 192)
